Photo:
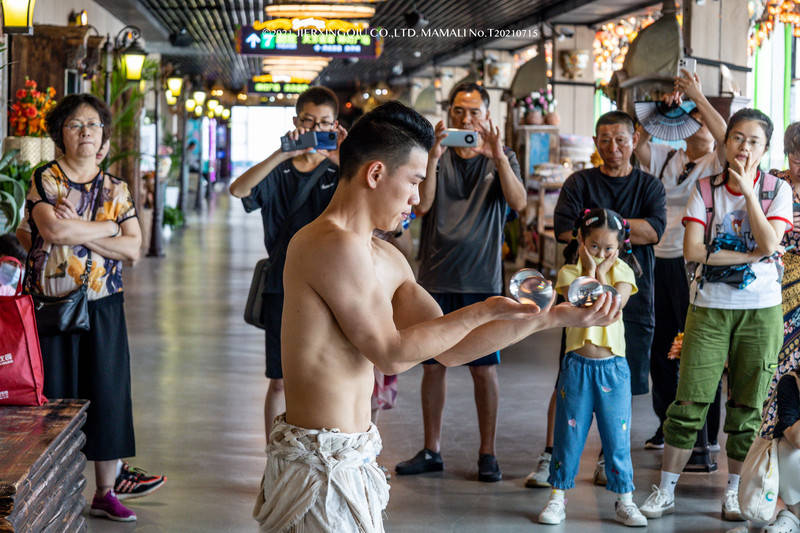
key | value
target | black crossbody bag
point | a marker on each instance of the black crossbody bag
(255, 299)
(56, 315)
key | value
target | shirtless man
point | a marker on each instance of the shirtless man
(351, 302)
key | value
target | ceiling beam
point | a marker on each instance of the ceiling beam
(553, 10)
(617, 14)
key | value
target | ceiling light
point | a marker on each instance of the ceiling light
(199, 97)
(320, 10)
(190, 105)
(226, 114)
(198, 111)
(212, 104)
(170, 98)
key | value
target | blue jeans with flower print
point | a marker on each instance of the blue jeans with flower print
(585, 387)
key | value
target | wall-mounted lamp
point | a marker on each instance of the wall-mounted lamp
(190, 105)
(18, 16)
(174, 84)
(199, 97)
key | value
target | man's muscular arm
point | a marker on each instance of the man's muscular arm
(340, 268)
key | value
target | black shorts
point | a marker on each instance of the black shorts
(450, 302)
(272, 311)
(95, 365)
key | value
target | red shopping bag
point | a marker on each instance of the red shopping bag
(21, 372)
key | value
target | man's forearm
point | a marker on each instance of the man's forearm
(642, 232)
(427, 190)
(513, 189)
(243, 185)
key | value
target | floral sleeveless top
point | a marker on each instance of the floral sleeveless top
(56, 269)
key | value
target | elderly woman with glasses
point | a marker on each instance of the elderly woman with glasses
(83, 226)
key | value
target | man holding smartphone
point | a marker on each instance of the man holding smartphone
(464, 197)
(273, 186)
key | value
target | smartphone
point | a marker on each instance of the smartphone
(306, 140)
(687, 63)
(326, 140)
(461, 138)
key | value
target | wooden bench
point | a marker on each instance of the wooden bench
(41, 467)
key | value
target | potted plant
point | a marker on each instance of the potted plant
(538, 106)
(15, 178)
(27, 119)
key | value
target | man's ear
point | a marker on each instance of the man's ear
(375, 172)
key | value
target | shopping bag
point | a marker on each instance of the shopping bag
(21, 371)
(758, 485)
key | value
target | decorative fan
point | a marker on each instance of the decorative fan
(667, 122)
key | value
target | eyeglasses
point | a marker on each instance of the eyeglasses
(686, 171)
(739, 139)
(78, 126)
(310, 123)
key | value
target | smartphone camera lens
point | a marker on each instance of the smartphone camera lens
(469, 138)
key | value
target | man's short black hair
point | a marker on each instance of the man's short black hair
(318, 96)
(468, 87)
(615, 117)
(55, 119)
(389, 133)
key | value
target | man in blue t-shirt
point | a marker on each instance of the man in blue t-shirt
(465, 196)
(271, 186)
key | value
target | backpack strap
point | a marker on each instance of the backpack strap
(707, 193)
(767, 189)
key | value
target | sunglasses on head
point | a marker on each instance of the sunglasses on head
(686, 171)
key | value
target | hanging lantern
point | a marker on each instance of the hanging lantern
(212, 104)
(170, 98)
(226, 114)
(198, 111)
(190, 105)
(199, 97)
(133, 60)
(174, 84)
(18, 16)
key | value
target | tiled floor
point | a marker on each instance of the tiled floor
(198, 384)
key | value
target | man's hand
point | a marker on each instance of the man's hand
(502, 308)
(491, 141)
(588, 263)
(605, 311)
(437, 150)
(333, 155)
(295, 134)
(689, 84)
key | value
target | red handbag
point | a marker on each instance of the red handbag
(21, 372)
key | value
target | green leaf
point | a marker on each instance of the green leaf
(11, 210)
(8, 158)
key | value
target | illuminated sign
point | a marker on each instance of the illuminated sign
(308, 42)
(272, 87)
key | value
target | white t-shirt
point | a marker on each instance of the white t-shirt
(730, 216)
(671, 243)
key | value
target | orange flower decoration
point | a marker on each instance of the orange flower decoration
(28, 113)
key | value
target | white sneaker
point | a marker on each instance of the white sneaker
(554, 512)
(658, 503)
(730, 506)
(629, 515)
(786, 522)
(538, 478)
(599, 477)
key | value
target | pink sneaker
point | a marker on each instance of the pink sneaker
(109, 507)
